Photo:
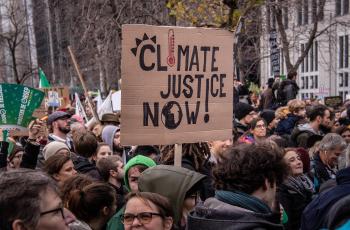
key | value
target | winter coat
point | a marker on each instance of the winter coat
(267, 99)
(321, 172)
(240, 128)
(216, 214)
(287, 125)
(314, 215)
(339, 212)
(170, 181)
(304, 136)
(120, 192)
(84, 166)
(294, 194)
(289, 89)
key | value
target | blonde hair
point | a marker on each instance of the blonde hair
(295, 105)
(282, 112)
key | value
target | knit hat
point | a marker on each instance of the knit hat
(268, 115)
(52, 148)
(242, 110)
(137, 160)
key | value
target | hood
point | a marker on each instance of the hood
(215, 214)
(343, 176)
(108, 133)
(170, 181)
(300, 129)
(83, 165)
(137, 160)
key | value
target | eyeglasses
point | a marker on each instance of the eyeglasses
(260, 126)
(55, 211)
(143, 217)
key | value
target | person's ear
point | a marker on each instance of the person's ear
(168, 223)
(113, 173)
(18, 225)
(106, 211)
(56, 177)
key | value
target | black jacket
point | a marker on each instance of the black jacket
(294, 197)
(314, 215)
(217, 215)
(84, 166)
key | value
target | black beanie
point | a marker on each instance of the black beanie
(268, 115)
(242, 110)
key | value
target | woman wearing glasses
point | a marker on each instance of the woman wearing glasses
(257, 132)
(147, 211)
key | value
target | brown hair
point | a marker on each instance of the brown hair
(106, 164)
(199, 152)
(161, 202)
(246, 167)
(255, 122)
(85, 144)
(295, 105)
(86, 203)
(55, 163)
(78, 181)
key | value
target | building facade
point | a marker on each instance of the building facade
(325, 69)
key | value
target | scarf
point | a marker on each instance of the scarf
(243, 200)
(301, 184)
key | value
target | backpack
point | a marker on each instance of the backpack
(281, 95)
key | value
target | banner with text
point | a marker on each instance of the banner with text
(177, 84)
(17, 104)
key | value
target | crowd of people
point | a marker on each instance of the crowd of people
(285, 167)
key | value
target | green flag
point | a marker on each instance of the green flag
(43, 83)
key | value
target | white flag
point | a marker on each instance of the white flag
(106, 106)
(79, 109)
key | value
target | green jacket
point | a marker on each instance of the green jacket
(170, 181)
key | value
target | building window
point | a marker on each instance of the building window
(341, 7)
(344, 51)
(341, 79)
(300, 14)
(346, 79)
(285, 17)
(306, 82)
(302, 82)
(316, 82)
(316, 55)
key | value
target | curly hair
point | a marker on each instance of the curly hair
(245, 167)
(198, 152)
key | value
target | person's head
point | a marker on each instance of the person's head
(258, 128)
(29, 200)
(59, 122)
(255, 169)
(93, 203)
(111, 136)
(292, 158)
(330, 148)
(245, 113)
(320, 115)
(297, 107)
(148, 151)
(55, 147)
(219, 147)
(179, 185)
(292, 75)
(110, 119)
(111, 167)
(344, 131)
(15, 157)
(77, 128)
(85, 144)
(96, 129)
(60, 167)
(270, 118)
(270, 82)
(282, 112)
(147, 211)
(133, 170)
(78, 181)
(103, 151)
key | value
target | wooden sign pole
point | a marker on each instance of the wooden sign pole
(178, 155)
(83, 83)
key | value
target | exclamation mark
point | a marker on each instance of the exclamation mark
(171, 48)
(206, 116)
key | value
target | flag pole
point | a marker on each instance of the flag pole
(83, 83)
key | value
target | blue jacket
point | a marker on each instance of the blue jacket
(287, 125)
(315, 213)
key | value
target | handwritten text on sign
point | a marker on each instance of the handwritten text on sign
(181, 80)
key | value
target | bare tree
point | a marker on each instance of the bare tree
(14, 35)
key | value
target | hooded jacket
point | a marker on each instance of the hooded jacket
(314, 215)
(170, 181)
(137, 160)
(215, 214)
(108, 133)
(287, 125)
(84, 166)
(301, 135)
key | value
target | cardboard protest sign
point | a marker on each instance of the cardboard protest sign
(177, 84)
(334, 102)
(17, 104)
